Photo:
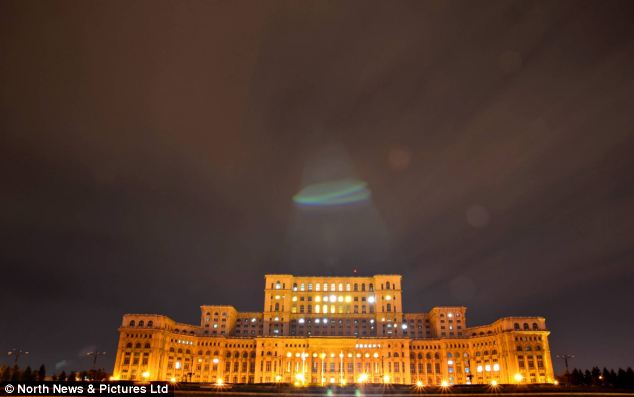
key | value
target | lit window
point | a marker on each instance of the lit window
(333, 298)
(301, 287)
(450, 315)
(496, 367)
(325, 298)
(277, 297)
(387, 298)
(479, 369)
(348, 299)
(371, 299)
(294, 299)
(487, 368)
(340, 298)
(301, 321)
(317, 287)
(317, 298)
(332, 308)
(317, 308)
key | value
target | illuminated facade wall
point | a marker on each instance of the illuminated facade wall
(321, 330)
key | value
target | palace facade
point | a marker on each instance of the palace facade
(323, 330)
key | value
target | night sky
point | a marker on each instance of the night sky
(150, 151)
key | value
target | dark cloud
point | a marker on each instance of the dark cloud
(151, 150)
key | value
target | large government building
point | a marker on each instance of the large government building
(325, 330)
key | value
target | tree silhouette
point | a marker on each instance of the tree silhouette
(15, 373)
(5, 373)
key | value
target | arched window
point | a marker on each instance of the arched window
(141, 323)
(228, 354)
(132, 323)
(180, 350)
(138, 345)
(171, 350)
(150, 323)
(277, 307)
(516, 326)
(252, 354)
(129, 345)
(387, 285)
(395, 354)
(389, 307)
(147, 345)
(245, 355)
(449, 355)
(535, 327)
(526, 326)
(200, 352)
(216, 353)
(436, 356)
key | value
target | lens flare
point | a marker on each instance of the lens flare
(340, 192)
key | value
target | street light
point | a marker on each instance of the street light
(16, 353)
(565, 357)
(95, 355)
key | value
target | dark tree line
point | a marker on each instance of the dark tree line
(622, 378)
(17, 374)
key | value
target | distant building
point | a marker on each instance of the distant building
(322, 330)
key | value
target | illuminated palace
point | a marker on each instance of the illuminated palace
(323, 330)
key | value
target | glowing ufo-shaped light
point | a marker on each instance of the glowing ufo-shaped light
(343, 191)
